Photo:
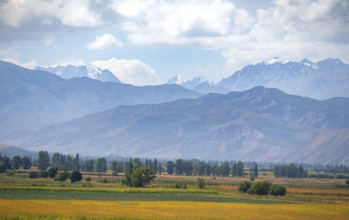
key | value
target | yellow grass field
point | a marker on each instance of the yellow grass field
(69, 209)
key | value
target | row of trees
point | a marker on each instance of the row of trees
(202, 168)
(178, 167)
(14, 163)
(290, 171)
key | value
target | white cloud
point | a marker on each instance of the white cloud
(134, 71)
(181, 22)
(71, 13)
(104, 41)
(30, 64)
(314, 29)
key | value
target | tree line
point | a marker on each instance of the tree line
(14, 163)
(290, 171)
(173, 167)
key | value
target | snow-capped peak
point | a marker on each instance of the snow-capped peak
(90, 71)
(177, 79)
(308, 63)
(93, 71)
(276, 60)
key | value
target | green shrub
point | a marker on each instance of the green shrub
(181, 185)
(260, 188)
(347, 182)
(34, 175)
(201, 183)
(52, 172)
(43, 174)
(244, 186)
(75, 176)
(277, 190)
(62, 176)
(88, 179)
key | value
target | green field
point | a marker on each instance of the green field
(24, 198)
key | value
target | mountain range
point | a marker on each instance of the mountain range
(259, 124)
(30, 99)
(40, 110)
(198, 84)
(319, 80)
(90, 71)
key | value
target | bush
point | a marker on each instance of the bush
(88, 179)
(347, 182)
(52, 172)
(75, 176)
(277, 190)
(244, 186)
(201, 183)
(62, 176)
(181, 185)
(44, 174)
(34, 175)
(260, 188)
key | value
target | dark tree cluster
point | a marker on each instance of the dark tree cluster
(137, 175)
(289, 171)
(65, 162)
(14, 163)
(202, 168)
(262, 188)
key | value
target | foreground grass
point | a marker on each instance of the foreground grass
(87, 209)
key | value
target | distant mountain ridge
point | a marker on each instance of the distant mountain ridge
(198, 84)
(11, 151)
(258, 125)
(30, 99)
(320, 80)
(90, 71)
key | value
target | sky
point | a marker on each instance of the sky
(146, 42)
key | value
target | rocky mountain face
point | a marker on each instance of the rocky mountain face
(90, 71)
(259, 124)
(321, 80)
(30, 99)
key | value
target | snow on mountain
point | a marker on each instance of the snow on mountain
(90, 71)
(177, 79)
(275, 60)
(198, 84)
(320, 80)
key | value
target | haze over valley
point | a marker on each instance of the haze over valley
(41, 110)
(259, 80)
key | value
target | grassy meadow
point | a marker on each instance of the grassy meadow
(105, 197)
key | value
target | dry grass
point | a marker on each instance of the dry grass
(167, 210)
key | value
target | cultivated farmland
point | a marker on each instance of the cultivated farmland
(106, 198)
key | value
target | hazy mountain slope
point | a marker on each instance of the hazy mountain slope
(90, 71)
(10, 151)
(259, 124)
(30, 99)
(329, 147)
(322, 80)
